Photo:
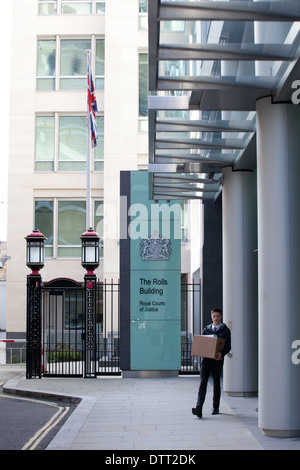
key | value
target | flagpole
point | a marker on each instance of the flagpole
(88, 157)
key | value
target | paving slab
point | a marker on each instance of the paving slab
(116, 413)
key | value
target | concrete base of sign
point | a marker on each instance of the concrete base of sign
(146, 374)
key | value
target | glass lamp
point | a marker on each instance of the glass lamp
(35, 251)
(90, 251)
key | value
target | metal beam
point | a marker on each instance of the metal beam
(169, 102)
(231, 144)
(211, 83)
(180, 195)
(169, 159)
(175, 188)
(282, 52)
(230, 11)
(210, 93)
(203, 126)
(189, 178)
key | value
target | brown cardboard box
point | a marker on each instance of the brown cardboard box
(207, 346)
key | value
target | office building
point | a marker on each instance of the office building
(47, 181)
(231, 71)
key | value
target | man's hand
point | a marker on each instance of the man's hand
(219, 357)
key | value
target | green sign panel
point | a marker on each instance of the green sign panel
(154, 280)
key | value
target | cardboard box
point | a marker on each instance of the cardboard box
(207, 346)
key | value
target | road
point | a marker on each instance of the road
(28, 423)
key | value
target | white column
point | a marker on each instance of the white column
(278, 167)
(240, 280)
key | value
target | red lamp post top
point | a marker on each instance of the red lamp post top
(35, 233)
(90, 233)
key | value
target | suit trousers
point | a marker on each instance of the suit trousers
(213, 367)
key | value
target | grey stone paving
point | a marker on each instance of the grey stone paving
(151, 414)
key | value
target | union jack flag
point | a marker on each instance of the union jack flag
(92, 105)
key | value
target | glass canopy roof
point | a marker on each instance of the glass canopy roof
(209, 62)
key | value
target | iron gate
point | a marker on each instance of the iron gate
(58, 329)
(65, 328)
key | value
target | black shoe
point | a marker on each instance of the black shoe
(215, 411)
(196, 412)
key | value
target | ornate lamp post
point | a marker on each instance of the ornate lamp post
(90, 261)
(35, 251)
(90, 251)
(35, 259)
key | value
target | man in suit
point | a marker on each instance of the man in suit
(213, 366)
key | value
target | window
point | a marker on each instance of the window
(44, 143)
(44, 221)
(100, 7)
(46, 59)
(68, 71)
(47, 7)
(72, 143)
(143, 91)
(73, 63)
(71, 7)
(184, 220)
(143, 15)
(61, 143)
(98, 217)
(71, 225)
(70, 217)
(100, 64)
(99, 149)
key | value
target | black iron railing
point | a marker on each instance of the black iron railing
(190, 315)
(60, 349)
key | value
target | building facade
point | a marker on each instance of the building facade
(47, 150)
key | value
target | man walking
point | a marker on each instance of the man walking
(213, 366)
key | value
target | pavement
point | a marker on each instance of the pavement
(135, 414)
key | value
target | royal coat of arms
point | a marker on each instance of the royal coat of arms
(155, 249)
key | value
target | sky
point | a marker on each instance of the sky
(5, 33)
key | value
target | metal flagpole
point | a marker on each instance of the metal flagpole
(88, 152)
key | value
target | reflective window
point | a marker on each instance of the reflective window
(72, 143)
(70, 220)
(73, 63)
(44, 143)
(143, 84)
(47, 7)
(71, 70)
(99, 221)
(46, 64)
(44, 221)
(69, 7)
(99, 149)
(100, 64)
(143, 15)
(70, 152)
(71, 225)
(100, 7)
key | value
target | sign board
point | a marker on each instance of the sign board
(155, 280)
